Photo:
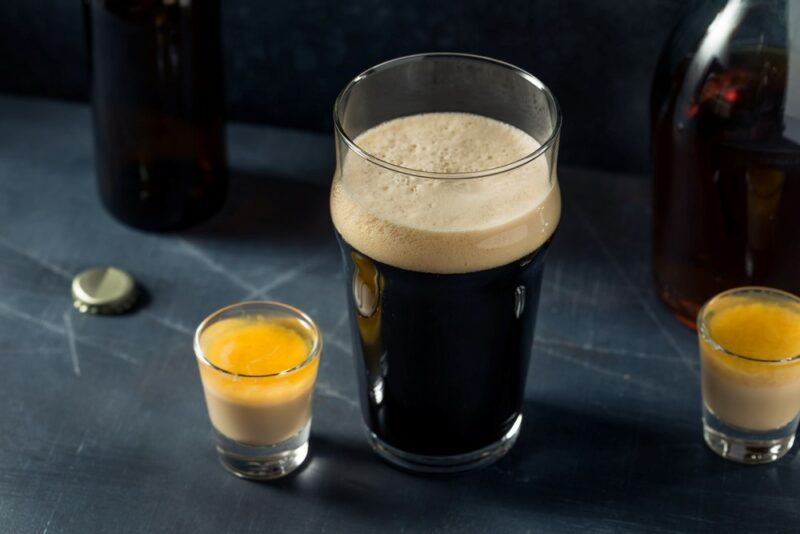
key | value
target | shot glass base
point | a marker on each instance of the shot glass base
(746, 447)
(263, 463)
(446, 464)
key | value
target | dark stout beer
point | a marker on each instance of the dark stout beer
(443, 276)
(442, 359)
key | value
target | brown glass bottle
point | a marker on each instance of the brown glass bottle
(726, 169)
(158, 109)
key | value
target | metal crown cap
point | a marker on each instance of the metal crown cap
(104, 290)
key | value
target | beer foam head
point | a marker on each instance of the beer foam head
(444, 225)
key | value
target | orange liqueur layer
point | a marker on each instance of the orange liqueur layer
(758, 329)
(255, 347)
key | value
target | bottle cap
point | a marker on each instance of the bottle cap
(104, 290)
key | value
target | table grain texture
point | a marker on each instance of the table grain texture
(102, 421)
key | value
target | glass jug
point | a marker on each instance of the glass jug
(725, 117)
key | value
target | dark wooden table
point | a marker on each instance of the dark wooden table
(102, 421)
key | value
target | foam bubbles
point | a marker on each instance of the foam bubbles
(443, 225)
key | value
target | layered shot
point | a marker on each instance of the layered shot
(258, 363)
(750, 360)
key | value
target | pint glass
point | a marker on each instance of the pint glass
(444, 199)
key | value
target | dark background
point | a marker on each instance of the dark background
(287, 60)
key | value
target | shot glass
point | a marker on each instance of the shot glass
(258, 363)
(750, 372)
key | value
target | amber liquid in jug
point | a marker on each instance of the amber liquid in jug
(726, 178)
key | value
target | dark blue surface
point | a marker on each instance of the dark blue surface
(103, 426)
(286, 61)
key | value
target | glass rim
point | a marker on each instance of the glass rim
(313, 353)
(533, 80)
(705, 335)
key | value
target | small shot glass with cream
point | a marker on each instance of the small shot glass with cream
(258, 364)
(750, 372)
